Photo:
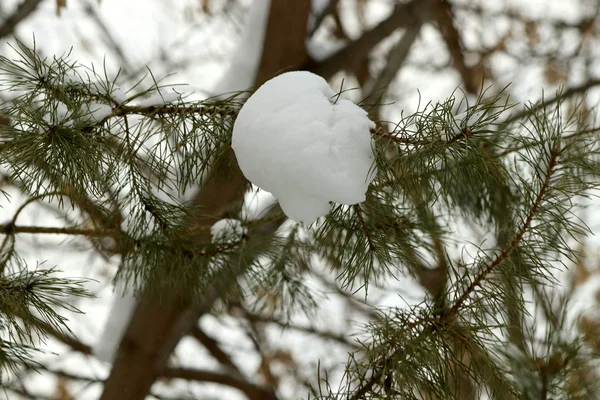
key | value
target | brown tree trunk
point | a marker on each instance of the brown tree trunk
(155, 329)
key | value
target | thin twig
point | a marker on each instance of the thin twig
(256, 318)
(213, 347)
(396, 58)
(402, 15)
(318, 18)
(364, 227)
(125, 64)
(451, 36)
(12, 229)
(557, 98)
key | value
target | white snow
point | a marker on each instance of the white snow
(118, 94)
(296, 139)
(319, 50)
(319, 5)
(123, 305)
(72, 78)
(317, 8)
(242, 70)
(95, 112)
(226, 230)
(58, 114)
(159, 98)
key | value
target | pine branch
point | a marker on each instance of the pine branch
(203, 109)
(533, 143)
(478, 280)
(63, 337)
(364, 227)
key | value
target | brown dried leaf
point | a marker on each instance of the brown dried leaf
(591, 329)
(554, 72)
(580, 274)
(60, 4)
(62, 390)
(205, 5)
(531, 31)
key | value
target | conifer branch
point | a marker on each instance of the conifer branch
(364, 227)
(478, 280)
(566, 138)
(378, 132)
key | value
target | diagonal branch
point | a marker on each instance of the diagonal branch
(97, 233)
(318, 18)
(126, 66)
(402, 15)
(561, 95)
(251, 390)
(213, 347)
(396, 57)
(451, 36)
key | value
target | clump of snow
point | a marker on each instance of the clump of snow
(58, 114)
(226, 230)
(257, 204)
(296, 139)
(118, 94)
(95, 112)
(159, 98)
(72, 78)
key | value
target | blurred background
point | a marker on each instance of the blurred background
(404, 55)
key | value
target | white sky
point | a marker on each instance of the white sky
(202, 46)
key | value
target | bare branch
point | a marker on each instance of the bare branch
(575, 90)
(396, 57)
(251, 390)
(452, 38)
(402, 15)
(213, 347)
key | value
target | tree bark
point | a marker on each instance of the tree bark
(155, 329)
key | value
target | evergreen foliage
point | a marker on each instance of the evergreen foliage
(494, 324)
